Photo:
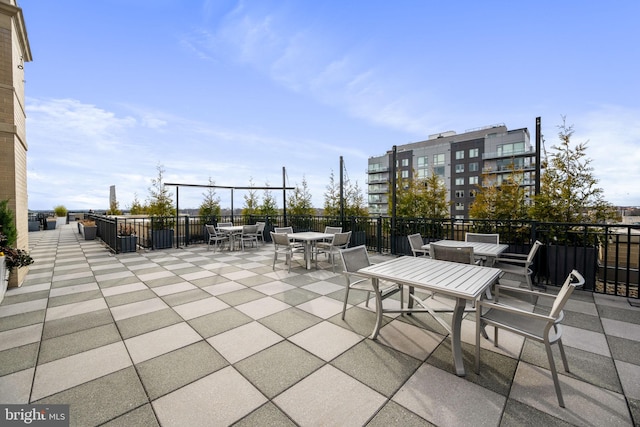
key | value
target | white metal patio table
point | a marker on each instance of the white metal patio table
(460, 281)
(232, 231)
(308, 238)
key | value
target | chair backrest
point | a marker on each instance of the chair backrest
(280, 239)
(532, 252)
(416, 242)
(573, 280)
(461, 254)
(341, 239)
(332, 230)
(354, 258)
(285, 230)
(260, 226)
(249, 229)
(225, 224)
(211, 230)
(482, 238)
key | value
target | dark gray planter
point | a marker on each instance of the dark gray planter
(126, 244)
(89, 232)
(51, 224)
(162, 239)
(562, 259)
(34, 225)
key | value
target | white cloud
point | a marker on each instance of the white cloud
(613, 140)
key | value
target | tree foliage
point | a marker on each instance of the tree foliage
(160, 201)
(269, 206)
(210, 206)
(137, 208)
(8, 224)
(354, 200)
(425, 197)
(568, 190)
(299, 203)
(332, 197)
(250, 200)
(505, 201)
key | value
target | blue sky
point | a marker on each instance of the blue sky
(233, 90)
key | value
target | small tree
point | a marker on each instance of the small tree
(250, 201)
(210, 207)
(426, 197)
(269, 206)
(354, 201)
(505, 201)
(114, 208)
(160, 200)
(332, 197)
(299, 203)
(136, 207)
(568, 189)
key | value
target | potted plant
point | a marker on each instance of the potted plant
(12, 259)
(88, 229)
(61, 214)
(126, 240)
(162, 212)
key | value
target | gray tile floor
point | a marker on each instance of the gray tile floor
(192, 337)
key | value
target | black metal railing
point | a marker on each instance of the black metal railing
(607, 255)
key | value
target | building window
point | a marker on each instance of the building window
(405, 162)
(405, 174)
(473, 167)
(459, 168)
(459, 155)
(459, 194)
(459, 206)
(438, 164)
(473, 180)
(473, 152)
(459, 181)
(422, 170)
(510, 149)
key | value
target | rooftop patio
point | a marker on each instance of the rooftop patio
(196, 337)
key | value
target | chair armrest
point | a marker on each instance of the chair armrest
(512, 261)
(514, 255)
(514, 310)
(522, 291)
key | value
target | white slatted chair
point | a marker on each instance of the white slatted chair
(544, 328)
(517, 266)
(215, 238)
(339, 241)
(353, 260)
(416, 242)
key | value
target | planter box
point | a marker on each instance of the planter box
(161, 239)
(562, 259)
(51, 224)
(89, 232)
(34, 225)
(126, 244)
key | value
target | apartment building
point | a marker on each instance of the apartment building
(464, 162)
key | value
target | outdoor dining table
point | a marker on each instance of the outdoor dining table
(460, 281)
(480, 249)
(232, 231)
(308, 238)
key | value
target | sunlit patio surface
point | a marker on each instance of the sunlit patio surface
(186, 337)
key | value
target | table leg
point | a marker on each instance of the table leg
(307, 254)
(376, 290)
(456, 345)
